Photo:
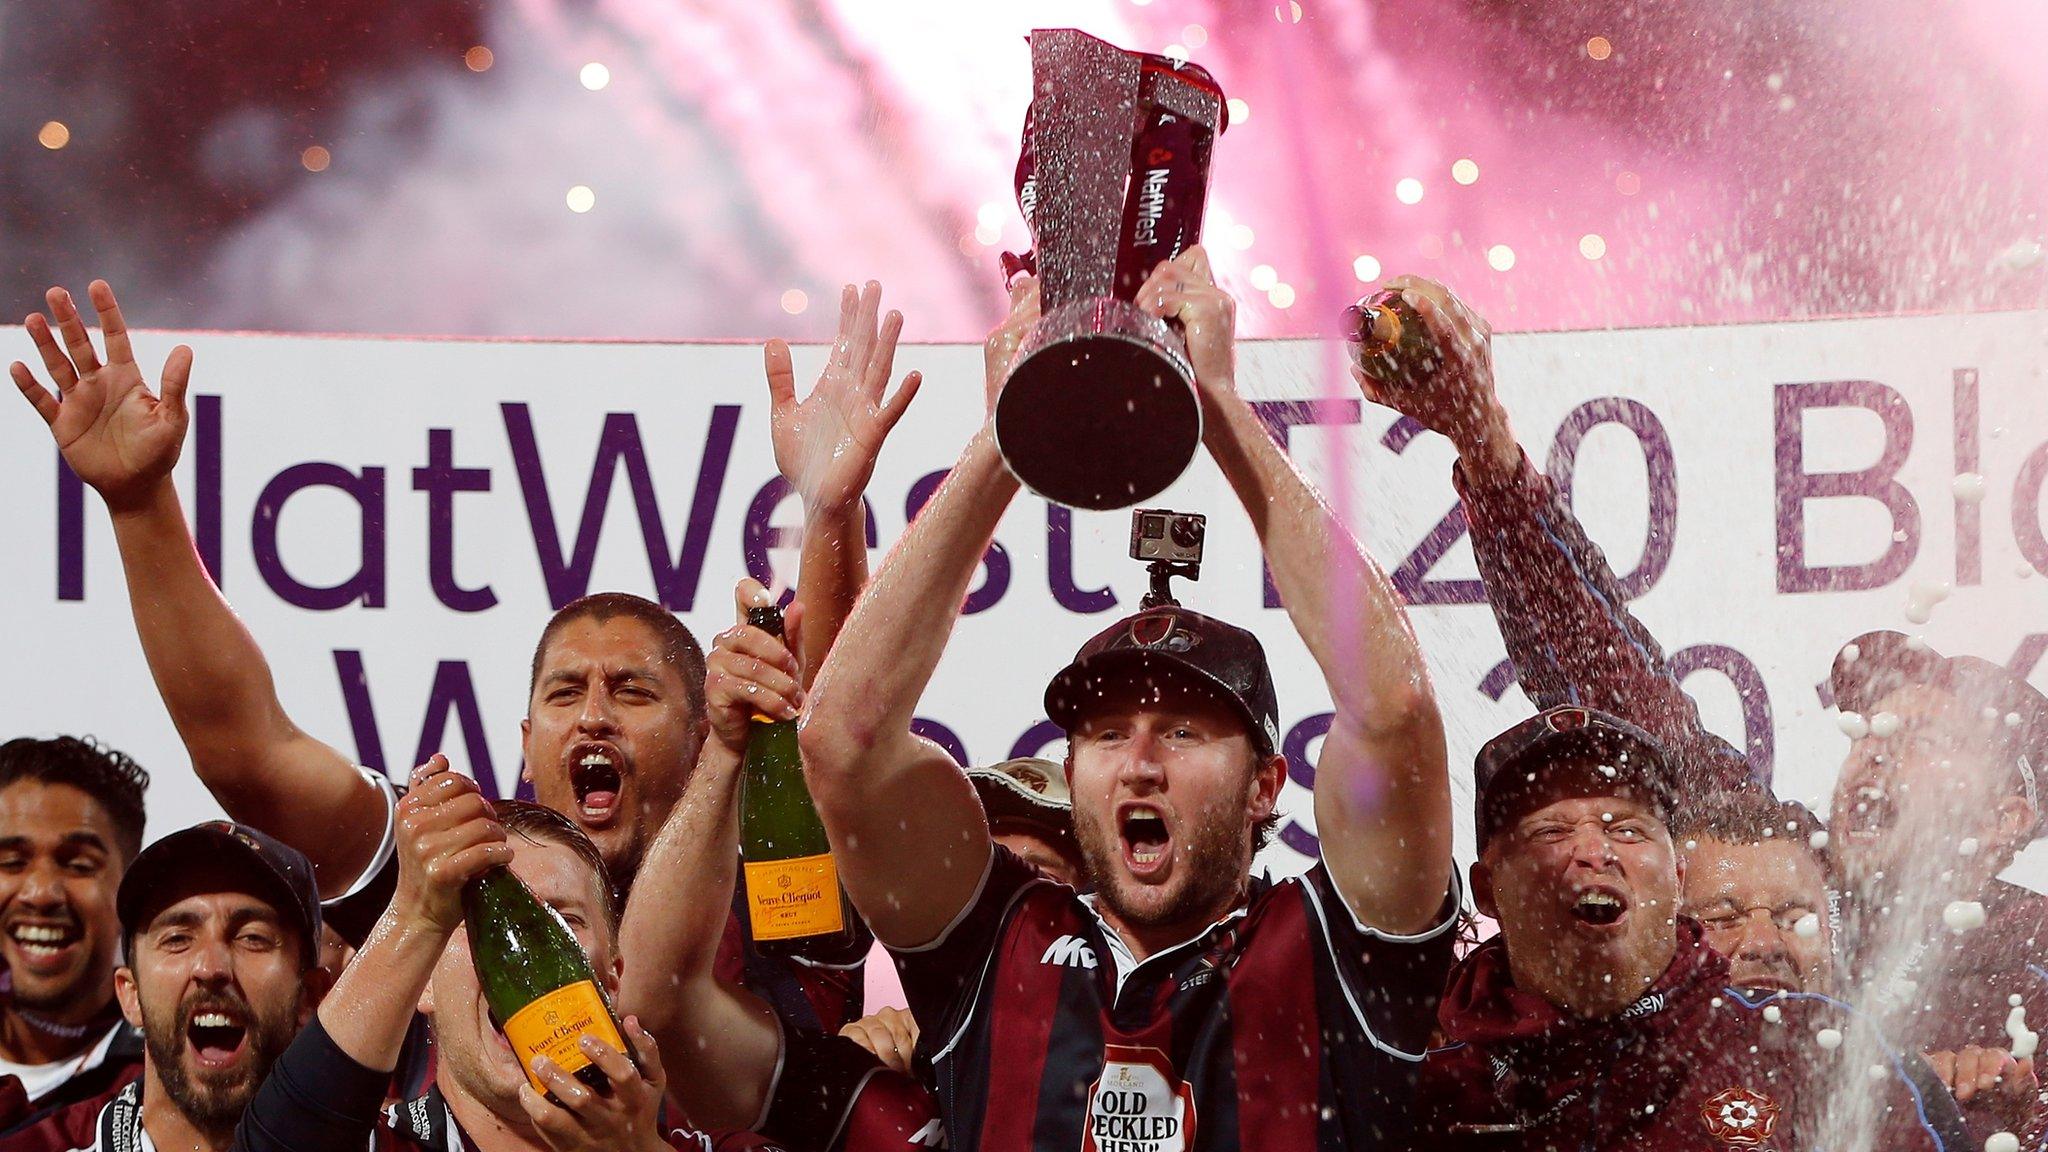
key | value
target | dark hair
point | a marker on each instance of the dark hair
(545, 825)
(1749, 814)
(114, 780)
(679, 646)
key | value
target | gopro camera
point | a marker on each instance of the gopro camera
(1171, 545)
(1163, 534)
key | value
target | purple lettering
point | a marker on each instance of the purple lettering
(1036, 739)
(1411, 576)
(70, 533)
(441, 480)
(2026, 509)
(995, 561)
(1659, 467)
(1301, 768)
(619, 444)
(1759, 739)
(1059, 565)
(453, 691)
(759, 533)
(943, 736)
(1969, 514)
(1281, 417)
(366, 584)
(362, 716)
(209, 523)
(1795, 485)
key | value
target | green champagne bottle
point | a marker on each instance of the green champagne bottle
(536, 979)
(794, 903)
(1389, 341)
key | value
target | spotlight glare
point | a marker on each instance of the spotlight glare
(595, 76)
(581, 198)
(1408, 190)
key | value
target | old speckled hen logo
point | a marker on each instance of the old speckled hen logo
(1740, 1118)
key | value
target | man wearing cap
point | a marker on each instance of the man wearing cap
(221, 928)
(1031, 813)
(1940, 788)
(1598, 1018)
(1182, 1004)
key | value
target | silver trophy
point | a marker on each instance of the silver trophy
(1100, 409)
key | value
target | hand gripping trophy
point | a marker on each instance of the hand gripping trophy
(1100, 408)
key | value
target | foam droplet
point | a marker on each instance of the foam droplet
(1853, 725)
(1851, 653)
(1807, 927)
(1967, 846)
(1773, 1013)
(1692, 845)
(2014, 719)
(1884, 724)
(1818, 841)
(1968, 487)
(1879, 1072)
(1828, 1038)
(2024, 1040)
(2002, 1142)
(1963, 916)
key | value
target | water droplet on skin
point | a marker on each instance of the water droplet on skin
(2014, 719)
(1818, 841)
(1884, 724)
(1808, 927)
(1607, 817)
(1853, 725)
(1828, 1038)
(1692, 845)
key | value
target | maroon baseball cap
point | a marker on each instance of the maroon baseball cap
(1172, 641)
(1516, 761)
(274, 869)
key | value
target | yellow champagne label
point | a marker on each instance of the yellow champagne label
(791, 898)
(552, 1025)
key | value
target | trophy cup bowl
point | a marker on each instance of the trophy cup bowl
(1100, 409)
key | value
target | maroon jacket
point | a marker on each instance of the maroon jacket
(1690, 1065)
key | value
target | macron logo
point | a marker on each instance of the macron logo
(932, 1135)
(1070, 951)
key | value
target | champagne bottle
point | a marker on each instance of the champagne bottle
(1389, 341)
(536, 979)
(794, 903)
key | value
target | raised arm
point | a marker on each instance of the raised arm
(909, 834)
(727, 1038)
(1383, 797)
(1559, 606)
(325, 1093)
(826, 447)
(123, 440)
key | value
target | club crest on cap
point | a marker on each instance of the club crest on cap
(1162, 631)
(1566, 719)
(1031, 778)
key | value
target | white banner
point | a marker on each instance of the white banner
(394, 520)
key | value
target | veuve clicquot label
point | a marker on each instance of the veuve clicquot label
(794, 903)
(536, 978)
(787, 899)
(554, 1025)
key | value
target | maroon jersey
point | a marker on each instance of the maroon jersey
(1690, 1065)
(1285, 1025)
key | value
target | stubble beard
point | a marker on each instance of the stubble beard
(1210, 872)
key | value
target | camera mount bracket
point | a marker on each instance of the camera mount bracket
(1163, 571)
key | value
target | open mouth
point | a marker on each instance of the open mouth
(217, 1036)
(1145, 839)
(1761, 981)
(1599, 907)
(595, 778)
(44, 943)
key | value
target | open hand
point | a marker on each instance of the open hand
(119, 437)
(826, 445)
(1990, 1078)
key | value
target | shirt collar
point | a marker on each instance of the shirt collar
(1120, 952)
